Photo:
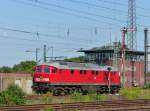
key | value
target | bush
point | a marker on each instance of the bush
(147, 85)
(13, 95)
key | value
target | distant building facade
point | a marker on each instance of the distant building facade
(109, 55)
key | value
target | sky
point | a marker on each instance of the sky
(65, 25)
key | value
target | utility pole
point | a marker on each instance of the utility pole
(36, 55)
(44, 54)
(52, 52)
(124, 31)
(145, 54)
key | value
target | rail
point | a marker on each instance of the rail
(119, 105)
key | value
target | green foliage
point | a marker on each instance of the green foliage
(78, 97)
(5, 69)
(48, 109)
(147, 85)
(99, 97)
(47, 98)
(24, 67)
(145, 94)
(75, 59)
(131, 93)
(13, 95)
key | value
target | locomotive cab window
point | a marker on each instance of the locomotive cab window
(38, 70)
(47, 70)
(72, 71)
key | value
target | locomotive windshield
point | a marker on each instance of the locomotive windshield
(47, 70)
(38, 70)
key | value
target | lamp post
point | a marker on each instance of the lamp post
(36, 54)
(52, 51)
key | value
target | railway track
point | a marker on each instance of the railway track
(121, 105)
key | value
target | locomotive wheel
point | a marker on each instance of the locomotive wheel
(55, 93)
(59, 92)
(102, 90)
(85, 92)
(67, 90)
(38, 91)
(115, 90)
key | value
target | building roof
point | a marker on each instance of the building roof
(110, 49)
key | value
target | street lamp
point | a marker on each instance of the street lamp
(36, 53)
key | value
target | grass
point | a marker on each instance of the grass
(135, 93)
(125, 93)
(75, 97)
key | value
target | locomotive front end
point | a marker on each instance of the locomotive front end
(41, 78)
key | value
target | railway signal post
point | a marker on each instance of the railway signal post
(145, 54)
(124, 30)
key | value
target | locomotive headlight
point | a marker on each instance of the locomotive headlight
(46, 79)
(37, 79)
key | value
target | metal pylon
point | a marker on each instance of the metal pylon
(131, 38)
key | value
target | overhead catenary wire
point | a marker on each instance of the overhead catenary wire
(41, 34)
(78, 11)
(24, 44)
(123, 12)
(106, 22)
(46, 35)
(66, 13)
(77, 15)
(122, 4)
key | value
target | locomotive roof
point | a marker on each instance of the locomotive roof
(80, 66)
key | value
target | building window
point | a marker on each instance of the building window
(72, 71)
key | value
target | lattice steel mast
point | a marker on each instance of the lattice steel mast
(131, 39)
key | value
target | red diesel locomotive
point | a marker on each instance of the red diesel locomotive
(66, 77)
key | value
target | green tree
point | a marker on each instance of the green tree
(5, 69)
(24, 67)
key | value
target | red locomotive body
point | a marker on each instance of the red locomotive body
(65, 77)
